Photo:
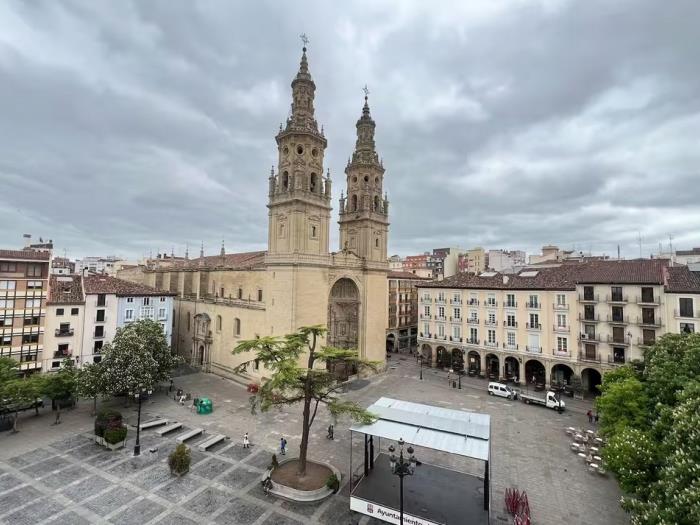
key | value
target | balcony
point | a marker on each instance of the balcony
(491, 323)
(440, 300)
(441, 337)
(651, 322)
(589, 338)
(492, 344)
(455, 339)
(510, 304)
(471, 342)
(618, 319)
(534, 305)
(491, 304)
(456, 319)
(472, 320)
(426, 317)
(473, 302)
(507, 346)
(440, 318)
(456, 302)
(560, 307)
(535, 326)
(63, 332)
(425, 336)
(533, 349)
(647, 301)
(589, 318)
(645, 342)
(512, 325)
(617, 359)
(618, 340)
(426, 300)
(589, 357)
(616, 298)
(561, 353)
(588, 298)
(557, 328)
(61, 354)
(686, 314)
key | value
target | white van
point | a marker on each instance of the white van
(499, 389)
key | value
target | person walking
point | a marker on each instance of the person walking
(596, 417)
(283, 446)
(590, 416)
(330, 432)
(246, 441)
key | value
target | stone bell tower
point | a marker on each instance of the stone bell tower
(364, 213)
(299, 195)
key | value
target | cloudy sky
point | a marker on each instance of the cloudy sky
(127, 127)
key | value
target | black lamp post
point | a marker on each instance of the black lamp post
(459, 380)
(139, 395)
(421, 366)
(402, 467)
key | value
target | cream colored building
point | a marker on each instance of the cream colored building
(472, 261)
(558, 324)
(65, 319)
(225, 298)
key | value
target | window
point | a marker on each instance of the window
(456, 332)
(63, 350)
(146, 301)
(129, 299)
(534, 301)
(491, 300)
(441, 312)
(473, 315)
(99, 331)
(240, 293)
(162, 299)
(7, 285)
(647, 294)
(32, 303)
(618, 355)
(562, 344)
(534, 321)
(510, 320)
(97, 348)
(260, 295)
(588, 293)
(473, 335)
(617, 314)
(561, 299)
(616, 293)
(129, 315)
(5, 340)
(59, 311)
(511, 339)
(218, 323)
(162, 313)
(457, 313)
(492, 336)
(31, 321)
(236, 326)
(100, 318)
(510, 300)
(492, 318)
(5, 321)
(74, 311)
(34, 270)
(313, 231)
(649, 337)
(441, 296)
(426, 329)
(101, 299)
(473, 299)
(441, 330)
(648, 316)
(685, 305)
(426, 311)
(687, 328)
(589, 312)
(589, 331)
(618, 334)
(147, 312)
(561, 320)
(8, 267)
(7, 303)
(30, 338)
(221, 292)
(35, 285)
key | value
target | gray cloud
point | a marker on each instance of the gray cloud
(138, 126)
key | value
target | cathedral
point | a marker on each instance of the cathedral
(225, 298)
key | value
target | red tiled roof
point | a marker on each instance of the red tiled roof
(25, 254)
(563, 276)
(97, 284)
(406, 275)
(682, 280)
(229, 261)
(65, 289)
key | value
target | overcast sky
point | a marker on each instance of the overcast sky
(134, 126)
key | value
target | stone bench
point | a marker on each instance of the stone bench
(153, 423)
(189, 435)
(204, 445)
(162, 431)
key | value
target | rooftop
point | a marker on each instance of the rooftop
(692, 251)
(229, 261)
(65, 289)
(406, 275)
(682, 280)
(104, 284)
(25, 255)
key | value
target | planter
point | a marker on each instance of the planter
(114, 446)
(99, 440)
(306, 496)
(178, 474)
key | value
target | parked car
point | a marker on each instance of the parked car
(501, 390)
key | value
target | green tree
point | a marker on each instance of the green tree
(138, 356)
(309, 385)
(9, 370)
(60, 386)
(20, 393)
(89, 383)
(624, 402)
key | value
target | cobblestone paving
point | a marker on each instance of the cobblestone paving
(57, 475)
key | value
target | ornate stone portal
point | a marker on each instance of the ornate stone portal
(343, 326)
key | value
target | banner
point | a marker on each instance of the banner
(386, 513)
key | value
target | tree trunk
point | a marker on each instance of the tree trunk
(94, 406)
(306, 425)
(14, 423)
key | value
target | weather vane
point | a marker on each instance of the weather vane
(304, 38)
(366, 90)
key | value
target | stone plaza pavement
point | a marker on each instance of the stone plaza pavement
(55, 474)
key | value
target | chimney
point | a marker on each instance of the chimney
(505, 279)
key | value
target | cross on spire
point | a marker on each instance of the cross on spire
(365, 90)
(304, 39)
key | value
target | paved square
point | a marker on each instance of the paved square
(58, 475)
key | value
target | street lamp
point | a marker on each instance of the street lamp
(142, 391)
(421, 366)
(402, 467)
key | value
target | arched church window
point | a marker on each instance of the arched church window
(366, 178)
(236, 326)
(285, 181)
(313, 184)
(376, 180)
(314, 152)
(218, 323)
(354, 203)
(376, 242)
(300, 149)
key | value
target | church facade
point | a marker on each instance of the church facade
(298, 281)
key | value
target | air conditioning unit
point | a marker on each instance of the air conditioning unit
(584, 336)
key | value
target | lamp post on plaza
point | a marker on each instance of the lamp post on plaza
(140, 394)
(402, 467)
(421, 366)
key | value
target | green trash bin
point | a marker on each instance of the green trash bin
(205, 406)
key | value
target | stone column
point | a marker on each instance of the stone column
(521, 371)
(547, 374)
(433, 357)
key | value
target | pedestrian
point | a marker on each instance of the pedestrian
(590, 416)
(283, 446)
(596, 417)
(448, 379)
(246, 441)
(330, 432)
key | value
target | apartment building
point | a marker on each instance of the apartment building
(395, 263)
(558, 324)
(502, 260)
(65, 319)
(402, 326)
(62, 266)
(472, 261)
(422, 265)
(23, 292)
(687, 257)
